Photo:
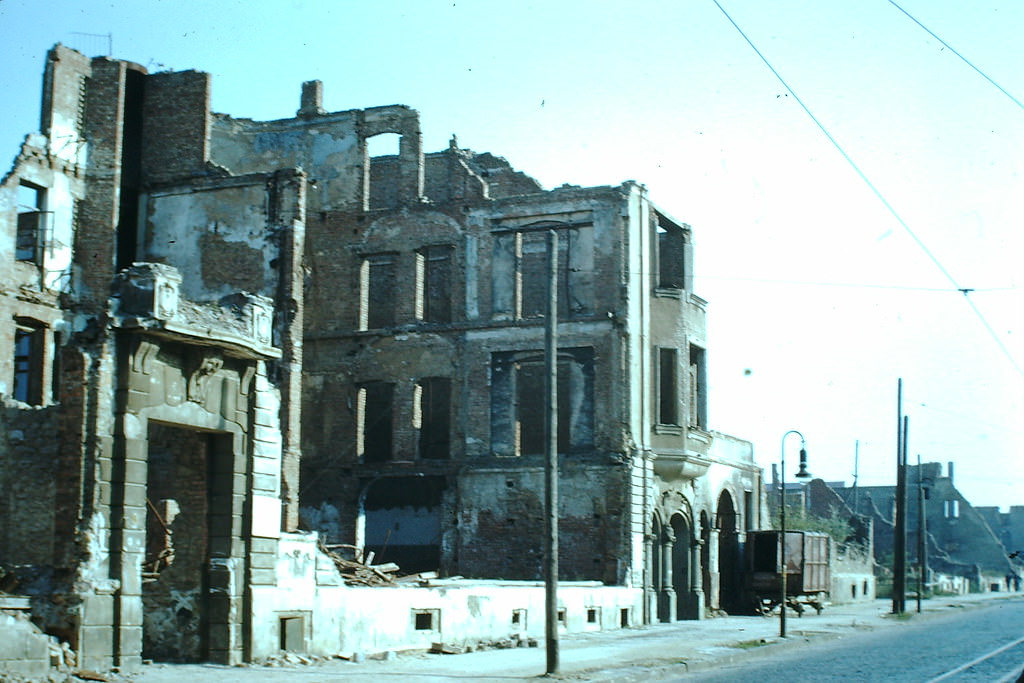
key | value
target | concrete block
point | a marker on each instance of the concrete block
(97, 610)
(264, 545)
(96, 647)
(269, 465)
(268, 434)
(265, 482)
(12, 645)
(264, 577)
(131, 640)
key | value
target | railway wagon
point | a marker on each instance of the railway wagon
(807, 570)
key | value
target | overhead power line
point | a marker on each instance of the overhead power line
(954, 51)
(966, 291)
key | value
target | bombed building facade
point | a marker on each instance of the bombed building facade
(222, 330)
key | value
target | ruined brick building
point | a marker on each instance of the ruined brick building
(197, 306)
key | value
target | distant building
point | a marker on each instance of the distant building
(959, 538)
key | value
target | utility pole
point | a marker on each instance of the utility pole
(899, 559)
(899, 578)
(856, 472)
(921, 536)
(551, 460)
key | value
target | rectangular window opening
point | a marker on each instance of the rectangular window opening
(434, 284)
(562, 616)
(624, 617)
(28, 363)
(432, 411)
(374, 416)
(518, 421)
(593, 615)
(377, 294)
(698, 388)
(668, 387)
(673, 255)
(292, 630)
(32, 217)
(519, 619)
(426, 619)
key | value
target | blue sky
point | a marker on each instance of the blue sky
(819, 298)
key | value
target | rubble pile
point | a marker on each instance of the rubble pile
(361, 573)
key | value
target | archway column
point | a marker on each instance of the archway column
(667, 599)
(696, 581)
(713, 591)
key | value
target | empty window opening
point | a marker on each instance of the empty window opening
(698, 388)
(668, 383)
(29, 341)
(624, 617)
(864, 588)
(383, 173)
(519, 619)
(533, 275)
(593, 614)
(377, 295)
(374, 416)
(433, 284)
(32, 220)
(432, 417)
(385, 144)
(748, 510)
(531, 424)
(853, 591)
(518, 421)
(561, 616)
(951, 509)
(521, 274)
(426, 619)
(670, 257)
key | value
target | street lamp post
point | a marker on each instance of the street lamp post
(801, 474)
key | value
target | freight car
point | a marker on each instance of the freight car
(807, 570)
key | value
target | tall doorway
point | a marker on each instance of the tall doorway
(188, 511)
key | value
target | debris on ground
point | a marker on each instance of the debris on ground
(357, 572)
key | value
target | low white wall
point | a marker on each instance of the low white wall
(340, 619)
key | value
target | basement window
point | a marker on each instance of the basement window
(433, 284)
(562, 616)
(593, 615)
(519, 619)
(624, 617)
(377, 293)
(374, 416)
(426, 619)
(292, 633)
(29, 338)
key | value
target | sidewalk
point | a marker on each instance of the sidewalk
(620, 656)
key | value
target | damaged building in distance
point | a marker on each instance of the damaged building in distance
(221, 330)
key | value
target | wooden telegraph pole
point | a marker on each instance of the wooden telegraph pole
(899, 560)
(551, 460)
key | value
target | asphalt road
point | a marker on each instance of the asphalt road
(984, 644)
